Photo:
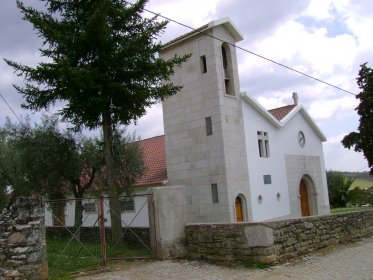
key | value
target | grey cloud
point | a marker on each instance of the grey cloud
(16, 33)
(259, 18)
(363, 7)
(362, 57)
(263, 82)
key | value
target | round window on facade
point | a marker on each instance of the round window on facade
(301, 139)
(278, 196)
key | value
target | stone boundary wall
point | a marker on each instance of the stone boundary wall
(22, 241)
(277, 241)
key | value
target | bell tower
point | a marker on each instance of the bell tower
(204, 132)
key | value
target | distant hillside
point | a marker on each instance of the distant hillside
(362, 180)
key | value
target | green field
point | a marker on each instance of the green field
(362, 180)
(362, 184)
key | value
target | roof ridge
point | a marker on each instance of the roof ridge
(185, 35)
(140, 140)
(157, 136)
(289, 105)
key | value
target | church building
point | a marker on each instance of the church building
(237, 161)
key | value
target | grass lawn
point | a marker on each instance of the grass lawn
(75, 257)
(350, 209)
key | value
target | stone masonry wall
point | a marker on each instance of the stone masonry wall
(22, 241)
(273, 242)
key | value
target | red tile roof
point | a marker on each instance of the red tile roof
(154, 153)
(154, 156)
(281, 112)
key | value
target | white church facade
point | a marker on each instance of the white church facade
(237, 161)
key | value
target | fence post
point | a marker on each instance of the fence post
(102, 230)
(152, 228)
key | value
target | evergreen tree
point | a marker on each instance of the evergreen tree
(103, 62)
(362, 141)
(36, 160)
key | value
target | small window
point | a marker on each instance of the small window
(208, 126)
(263, 144)
(203, 64)
(278, 196)
(214, 193)
(267, 179)
(89, 207)
(127, 204)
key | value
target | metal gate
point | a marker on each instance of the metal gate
(80, 235)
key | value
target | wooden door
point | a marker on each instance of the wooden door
(239, 210)
(304, 205)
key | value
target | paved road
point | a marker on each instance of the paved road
(350, 262)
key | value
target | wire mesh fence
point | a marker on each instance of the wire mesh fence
(84, 234)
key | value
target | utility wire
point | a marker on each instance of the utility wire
(245, 50)
(11, 109)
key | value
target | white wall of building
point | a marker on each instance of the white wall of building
(282, 141)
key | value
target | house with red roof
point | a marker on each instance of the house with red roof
(154, 157)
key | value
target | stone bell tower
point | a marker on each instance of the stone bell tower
(205, 145)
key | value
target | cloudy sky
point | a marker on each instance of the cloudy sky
(328, 39)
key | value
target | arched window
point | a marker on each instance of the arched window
(227, 68)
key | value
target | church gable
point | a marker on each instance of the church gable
(279, 117)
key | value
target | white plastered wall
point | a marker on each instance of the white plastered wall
(287, 163)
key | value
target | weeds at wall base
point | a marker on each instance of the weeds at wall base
(252, 265)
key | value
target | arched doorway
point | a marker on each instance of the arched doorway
(304, 202)
(239, 209)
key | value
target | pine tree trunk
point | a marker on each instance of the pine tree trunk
(78, 214)
(116, 224)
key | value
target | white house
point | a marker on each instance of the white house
(237, 161)
(134, 211)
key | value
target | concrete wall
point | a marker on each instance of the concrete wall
(22, 241)
(195, 159)
(168, 210)
(277, 241)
